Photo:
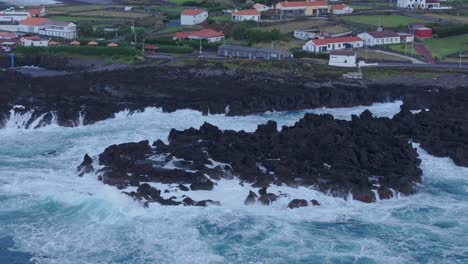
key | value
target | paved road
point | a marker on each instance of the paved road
(413, 60)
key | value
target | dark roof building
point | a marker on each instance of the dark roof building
(234, 51)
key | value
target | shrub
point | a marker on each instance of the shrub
(299, 53)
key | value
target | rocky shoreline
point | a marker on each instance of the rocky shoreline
(368, 158)
(335, 157)
(96, 96)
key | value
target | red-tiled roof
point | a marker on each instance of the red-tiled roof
(8, 35)
(339, 7)
(303, 3)
(207, 33)
(320, 42)
(33, 37)
(74, 43)
(192, 12)
(93, 43)
(112, 44)
(204, 33)
(247, 12)
(34, 21)
(181, 35)
(151, 47)
(52, 43)
(35, 11)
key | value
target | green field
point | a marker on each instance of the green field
(443, 47)
(223, 18)
(385, 21)
(171, 29)
(79, 19)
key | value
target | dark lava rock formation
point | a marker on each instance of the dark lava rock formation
(365, 157)
(99, 95)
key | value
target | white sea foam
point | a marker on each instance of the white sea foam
(62, 218)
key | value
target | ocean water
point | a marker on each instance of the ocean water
(49, 215)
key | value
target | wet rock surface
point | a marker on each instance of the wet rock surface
(96, 96)
(366, 157)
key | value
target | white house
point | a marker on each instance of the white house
(380, 38)
(34, 41)
(204, 34)
(419, 4)
(190, 17)
(303, 8)
(261, 8)
(342, 58)
(342, 9)
(306, 34)
(246, 15)
(12, 15)
(60, 29)
(323, 45)
(46, 27)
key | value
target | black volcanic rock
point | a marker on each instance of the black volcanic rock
(86, 166)
(296, 203)
(251, 198)
(360, 156)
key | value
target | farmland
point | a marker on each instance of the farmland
(443, 47)
(391, 21)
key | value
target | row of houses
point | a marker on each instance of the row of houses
(297, 8)
(370, 39)
(421, 4)
(32, 21)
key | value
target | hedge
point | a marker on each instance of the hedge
(85, 50)
(299, 53)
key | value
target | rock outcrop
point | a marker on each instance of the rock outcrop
(363, 157)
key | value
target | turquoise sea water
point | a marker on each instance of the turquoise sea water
(49, 215)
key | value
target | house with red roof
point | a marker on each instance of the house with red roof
(204, 34)
(246, 15)
(342, 9)
(303, 8)
(18, 15)
(195, 16)
(34, 41)
(47, 27)
(328, 44)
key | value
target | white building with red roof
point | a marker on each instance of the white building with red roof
(34, 41)
(204, 34)
(303, 8)
(246, 15)
(190, 17)
(18, 15)
(47, 27)
(324, 45)
(342, 9)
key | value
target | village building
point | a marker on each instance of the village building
(204, 34)
(324, 45)
(233, 51)
(306, 34)
(303, 8)
(190, 17)
(342, 58)
(261, 8)
(423, 33)
(384, 37)
(34, 41)
(12, 15)
(7, 45)
(47, 27)
(406, 38)
(419, 4)
(246, 15)
(342, 9)
(8, 35)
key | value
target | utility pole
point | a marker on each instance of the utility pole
(143, 48)
(460, 58)
(200, 48)
(134, 31)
